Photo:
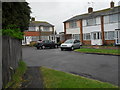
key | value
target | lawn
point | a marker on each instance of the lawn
(57, 79)
(103, 51)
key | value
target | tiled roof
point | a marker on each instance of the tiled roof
(40, 23)
(96, 14)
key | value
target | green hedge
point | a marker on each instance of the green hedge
(13, 31)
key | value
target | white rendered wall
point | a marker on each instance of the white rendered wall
(110, 27)
(73, 31)
(89, 29)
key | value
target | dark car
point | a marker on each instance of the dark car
(46, 44)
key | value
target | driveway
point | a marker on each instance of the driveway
(100, 67)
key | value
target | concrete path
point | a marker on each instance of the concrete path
(100, 67)
(33, 78)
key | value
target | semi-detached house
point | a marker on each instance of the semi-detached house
(38, 30)
(95, 27)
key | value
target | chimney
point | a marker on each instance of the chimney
(32, 19)
(90, 10)
(112, 4)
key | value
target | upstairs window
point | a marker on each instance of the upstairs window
(113, 18)
(46, 28)
(32, 29)
(119, 17)
(73, 24)
(91, 22)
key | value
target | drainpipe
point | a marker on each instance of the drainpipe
(65, 30)
(102, 30)
(81, 32)
(39, 32)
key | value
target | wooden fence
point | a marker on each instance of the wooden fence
(11, 54)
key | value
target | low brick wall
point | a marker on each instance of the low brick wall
(109, 42)
(86, 42)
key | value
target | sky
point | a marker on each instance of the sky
(58, 11)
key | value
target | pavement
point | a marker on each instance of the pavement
(32, 78)
(100, 67)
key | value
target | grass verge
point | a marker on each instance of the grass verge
(102, 51)
(17, 76)
(58, 79)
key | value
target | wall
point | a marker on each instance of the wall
(89, 29)
(11, 54)
(109, 42)
(110, 26)
(73, 31)
(86, 42)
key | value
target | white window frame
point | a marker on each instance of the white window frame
(46, 28)
(107, 37)
(73, 24)
(88, 22)
(85, 36)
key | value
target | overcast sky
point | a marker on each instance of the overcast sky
(57, 11)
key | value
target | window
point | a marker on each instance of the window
(32, 29)
(113, 18)
(76, 36)
(119, 17)
(86, 36)
(44, 37)
(46, 28)
(109, 35)
(73, 24)
(91, 22)
(35, 38)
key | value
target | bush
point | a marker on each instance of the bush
(13, 31)
(33, 43)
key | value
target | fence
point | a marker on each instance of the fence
(11, 54)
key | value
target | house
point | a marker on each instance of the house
(95, 27)
(38, 30)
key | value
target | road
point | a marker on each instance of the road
(100, 67)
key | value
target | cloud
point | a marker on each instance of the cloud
(56, 11)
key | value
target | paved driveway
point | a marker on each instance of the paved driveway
(104, 68)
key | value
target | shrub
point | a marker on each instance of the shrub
(33, 43)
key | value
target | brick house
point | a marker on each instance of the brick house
(38, 30)
(95, 27)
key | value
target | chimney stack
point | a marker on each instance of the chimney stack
(32, 19)
(112, 4)
(90, 10)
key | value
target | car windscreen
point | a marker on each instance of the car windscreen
(69, 41)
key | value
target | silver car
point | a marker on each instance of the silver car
(70, 44)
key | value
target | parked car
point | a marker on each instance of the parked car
(46, 43)
(70, 44)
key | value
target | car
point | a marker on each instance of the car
(70, 44)
(46, 44)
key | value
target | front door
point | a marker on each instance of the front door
(117, 37)
(96, 38)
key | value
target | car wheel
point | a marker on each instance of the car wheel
(61, 49)
(38, 47)
(72, 48)
(56, 46)
(43, 47)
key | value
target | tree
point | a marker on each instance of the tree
(16, 13)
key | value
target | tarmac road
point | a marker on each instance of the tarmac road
(100, 67)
